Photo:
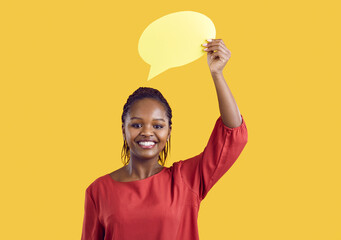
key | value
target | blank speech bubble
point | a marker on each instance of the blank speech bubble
(174, 40)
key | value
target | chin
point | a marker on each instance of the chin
(147, 156)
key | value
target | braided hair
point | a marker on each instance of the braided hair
(141, 93)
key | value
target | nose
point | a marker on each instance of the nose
(147, 131)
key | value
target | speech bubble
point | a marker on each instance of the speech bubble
(174, 40)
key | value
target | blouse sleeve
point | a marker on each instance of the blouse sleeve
(92, 228)
(224, 146)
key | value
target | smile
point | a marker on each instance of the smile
(147, 145)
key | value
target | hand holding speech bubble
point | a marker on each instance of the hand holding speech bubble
(174, 40)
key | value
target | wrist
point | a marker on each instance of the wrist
(217, 75)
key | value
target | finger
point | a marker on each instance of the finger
(213, 48)
(211, 44)
(218, 56)
(216, 42)
(217, 48)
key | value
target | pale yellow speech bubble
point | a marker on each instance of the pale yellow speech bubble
(174, 40)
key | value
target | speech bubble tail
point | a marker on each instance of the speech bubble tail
(155, 70)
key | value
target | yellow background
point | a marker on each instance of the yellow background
(67, 68)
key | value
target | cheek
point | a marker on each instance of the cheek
(130, 138)
(163, 136)
(132, 133)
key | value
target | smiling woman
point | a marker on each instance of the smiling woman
(146, 116)
(146, 200)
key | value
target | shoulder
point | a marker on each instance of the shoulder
(97, 184)
(175, 168)
(119, 175)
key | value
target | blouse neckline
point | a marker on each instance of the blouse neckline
(137, 181)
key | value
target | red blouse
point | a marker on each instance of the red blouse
(165, 205)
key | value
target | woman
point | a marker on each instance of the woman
(145, 200)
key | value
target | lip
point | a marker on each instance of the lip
(146, 147)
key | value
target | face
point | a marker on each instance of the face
(146, 129)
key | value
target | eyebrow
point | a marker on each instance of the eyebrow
(161, 119)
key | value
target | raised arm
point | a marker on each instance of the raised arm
(228, 138)
(217, 57)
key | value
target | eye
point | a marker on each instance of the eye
(137, 125)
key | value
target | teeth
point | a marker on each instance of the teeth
(146, 143)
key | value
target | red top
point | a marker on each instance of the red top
(165, 205)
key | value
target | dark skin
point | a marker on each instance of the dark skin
(146, 120)
(144, 162)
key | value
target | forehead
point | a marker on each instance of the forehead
(147, 107)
